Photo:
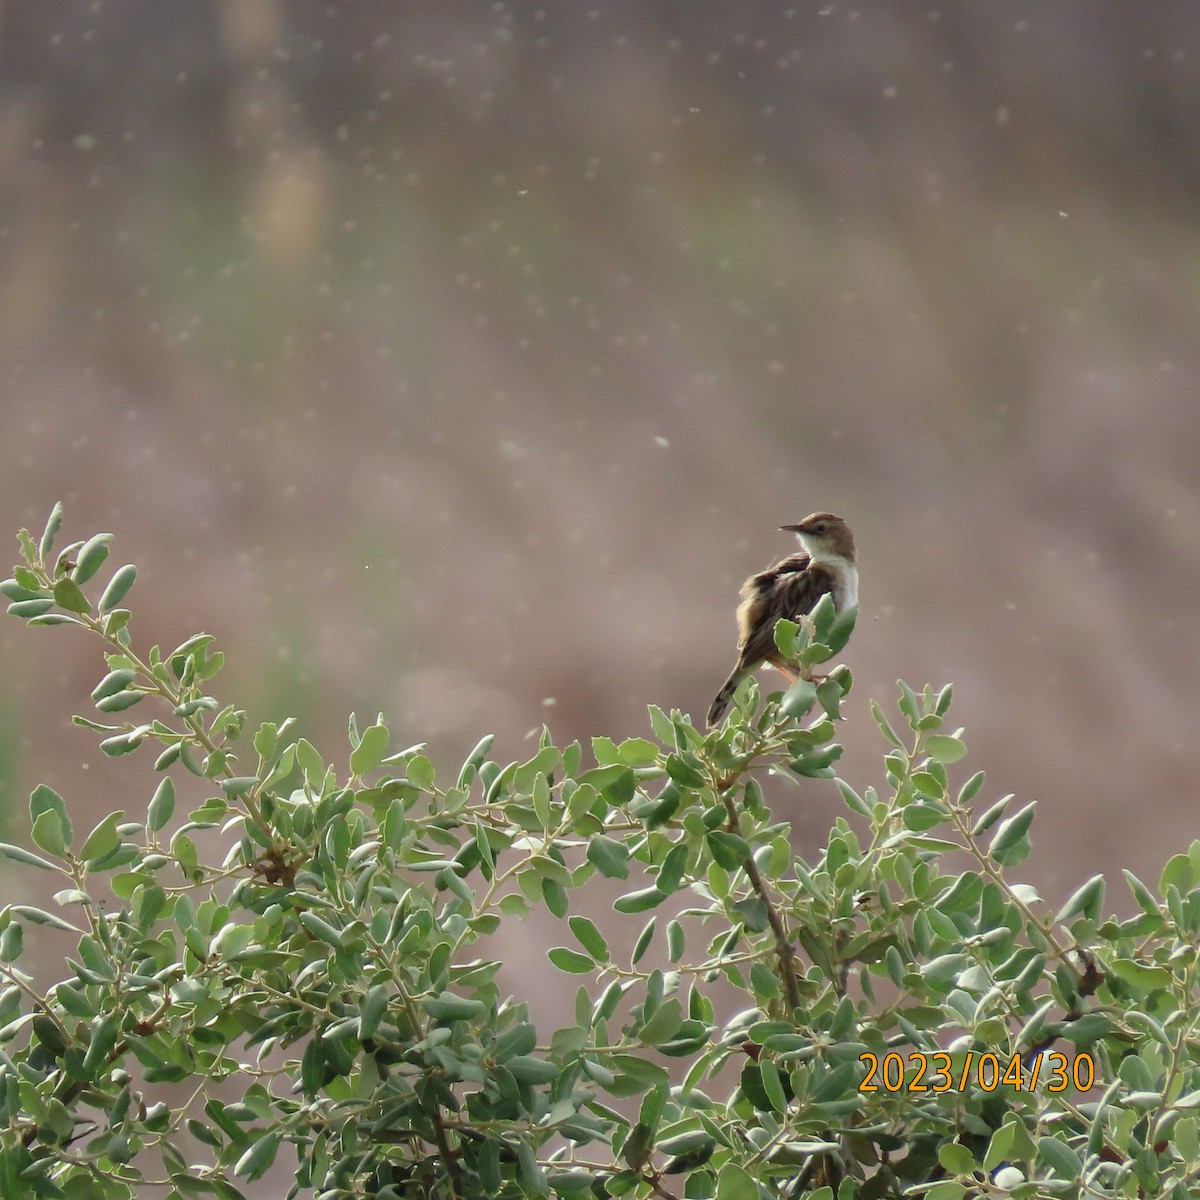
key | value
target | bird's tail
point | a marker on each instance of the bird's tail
(721, 703)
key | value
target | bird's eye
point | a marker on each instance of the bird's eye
(819, 527)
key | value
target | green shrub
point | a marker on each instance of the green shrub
(295, 969)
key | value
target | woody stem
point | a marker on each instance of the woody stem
(783, 943)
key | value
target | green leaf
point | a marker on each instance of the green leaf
(772, 1085)
(728, 849)
(970, 789)
(28, 549)
(123, 743)
(840, 629)
(372, 1009)
(258, 1158)
(113, 682)
(53, 525)
(369, 752)
(553, 892)
(590, 938)
(162, 804)
(689, 1142)
(799, 698)
(1187, 1138)
(11, 940)
(30, 608)
(37, 916)
(1177, 872)
(992, 814)
(48, 833)
(736, 1183)
(944, 1189)
(676, 943)
(30, 589)
(752, 913)
(1010, 844)
(103, 839)
(120, 701)
(664, 1023)
(530, 1174)
(764, 982)
(945, 749)
(853, 801)
(616, 783)
(1087, 899)
(643, 941)
(632, 902)
(1141, 893)
(529, 1068)
(670, 871)
(1065, 1163)
(69, 595)
(90, 557)
(321, 929)
(566, 959)
(118, 588)
(450, 1007)
(21, 855)
(638, 752)
(46, 799)
(104, 1038)
(685, 771)
(956, 1158)
(420, 772)
(1000, 1147)
(829, 695)
(1143, 976)
(662, 725)
(608, 856)
(474, 759)
(36, 610)
(53, 619)
(786, 639)
(884, 726)
(836, 1084)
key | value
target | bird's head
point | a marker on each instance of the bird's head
(824, 537)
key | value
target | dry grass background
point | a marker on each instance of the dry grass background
(447, 359)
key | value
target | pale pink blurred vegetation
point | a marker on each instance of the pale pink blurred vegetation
(447, 359)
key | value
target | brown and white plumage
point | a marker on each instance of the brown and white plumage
(790, 588)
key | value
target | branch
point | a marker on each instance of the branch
(783, 943)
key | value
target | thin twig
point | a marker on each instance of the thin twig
(783, 943)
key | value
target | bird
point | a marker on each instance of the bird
(790, 588)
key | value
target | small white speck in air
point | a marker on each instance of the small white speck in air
(549, 702)
(661, 441)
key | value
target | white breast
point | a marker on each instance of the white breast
(845, 591)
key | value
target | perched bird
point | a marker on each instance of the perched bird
(790, 588)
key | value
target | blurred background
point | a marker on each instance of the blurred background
(457, 360)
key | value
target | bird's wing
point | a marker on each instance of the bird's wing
(782, 593)
(768, 579)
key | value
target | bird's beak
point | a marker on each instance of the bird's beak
(792, 528)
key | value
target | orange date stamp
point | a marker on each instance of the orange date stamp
(921, 1072)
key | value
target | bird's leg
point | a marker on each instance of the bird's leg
(794, 677)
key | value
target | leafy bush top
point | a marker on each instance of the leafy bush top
(299, 963)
